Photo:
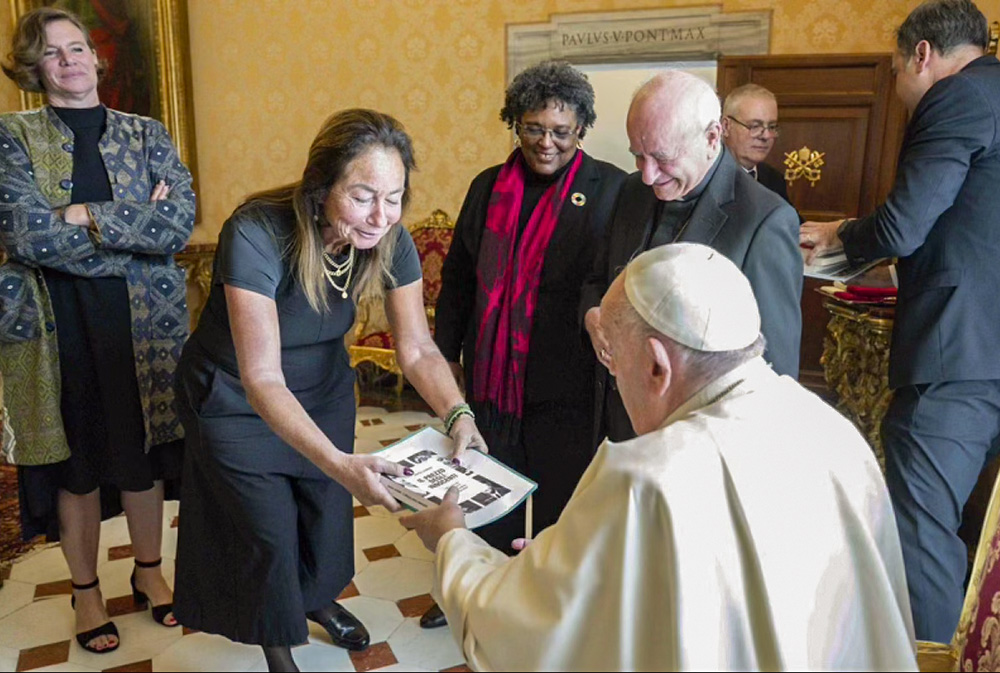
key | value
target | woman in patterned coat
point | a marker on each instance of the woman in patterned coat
(93, 205)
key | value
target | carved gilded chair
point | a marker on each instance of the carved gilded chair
(373, 342)
(976, 643)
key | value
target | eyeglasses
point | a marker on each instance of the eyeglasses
(536, 132)
(757, 129)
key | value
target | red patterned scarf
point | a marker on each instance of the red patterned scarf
(509, 269)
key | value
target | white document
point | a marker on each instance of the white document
(488, 489)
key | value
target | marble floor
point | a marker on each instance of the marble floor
(390, 590)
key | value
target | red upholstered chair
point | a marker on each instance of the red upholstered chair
(432, 238)
(976, 643)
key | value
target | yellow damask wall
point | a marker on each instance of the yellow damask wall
(267, 72)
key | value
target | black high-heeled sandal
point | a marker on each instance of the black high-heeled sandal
(160, 612)
(108, 628)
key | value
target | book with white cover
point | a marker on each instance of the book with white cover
(488, 489)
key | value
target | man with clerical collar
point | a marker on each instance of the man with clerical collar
(749, 129)
(690, 188)
(746, 528)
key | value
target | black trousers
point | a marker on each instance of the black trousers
(264, 535)
(555, 448)
(937, 439)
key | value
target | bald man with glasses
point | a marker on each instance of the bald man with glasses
(749, 129)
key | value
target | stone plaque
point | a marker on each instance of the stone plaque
(682, 34)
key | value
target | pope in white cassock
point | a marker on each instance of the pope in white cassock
(746, 527)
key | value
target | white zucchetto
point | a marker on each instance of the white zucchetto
(695, 296)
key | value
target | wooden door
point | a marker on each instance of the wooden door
(843, 106)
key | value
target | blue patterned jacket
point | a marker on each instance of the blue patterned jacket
(134, 239)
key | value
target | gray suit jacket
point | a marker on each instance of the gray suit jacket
(742, 219)
(942, 219)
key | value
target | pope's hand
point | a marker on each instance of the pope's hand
(520, 544)
(432, 523)
(819, 237)
(466, 435)
(361, 475)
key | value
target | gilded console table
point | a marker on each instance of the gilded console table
(196, 260)
(856, 364)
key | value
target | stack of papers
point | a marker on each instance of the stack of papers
(834, 265)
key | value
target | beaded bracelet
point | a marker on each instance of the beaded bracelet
(454, 414)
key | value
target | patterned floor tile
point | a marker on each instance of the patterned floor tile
(415, 606)
(123, 605)
(375, 531)
(14, 596)
(59, 588)
(360, 560)
(114, 533)
(380, 617)
(395, 578)
(427, 648)
(41, 566)
(350, 592)
(320, 655)
(410, 546)
(135, 667)
(378, 655)
(120, 552)
(8, 659)
(46, 621)
(382, 552)
(43, 655)
(204, 652)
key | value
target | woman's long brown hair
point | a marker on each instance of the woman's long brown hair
(344, 137)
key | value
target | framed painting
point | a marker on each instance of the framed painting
(145, 45)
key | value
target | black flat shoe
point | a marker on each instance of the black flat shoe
(345, 629)
(105, 629)
(160, 612)
(434, 618)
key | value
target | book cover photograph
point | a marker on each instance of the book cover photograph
(488, 489)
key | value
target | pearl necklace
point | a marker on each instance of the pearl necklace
(333, 270)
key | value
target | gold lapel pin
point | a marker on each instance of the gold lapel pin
(578, 199)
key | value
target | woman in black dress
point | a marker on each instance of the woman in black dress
(93, 205)
(266, 533)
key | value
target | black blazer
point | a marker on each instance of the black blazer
(560, 364)
(773, 179)
(942, 219)
(740, 218)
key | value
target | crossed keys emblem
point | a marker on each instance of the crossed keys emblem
(804, 163)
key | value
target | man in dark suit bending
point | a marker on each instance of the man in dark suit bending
(749, 129)
(689, 188)
(942, 220)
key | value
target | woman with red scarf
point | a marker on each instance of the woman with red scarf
(524, 241)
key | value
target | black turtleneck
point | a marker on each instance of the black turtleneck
(534, 187)
(90, 178)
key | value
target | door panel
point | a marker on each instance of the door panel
(843, 106)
